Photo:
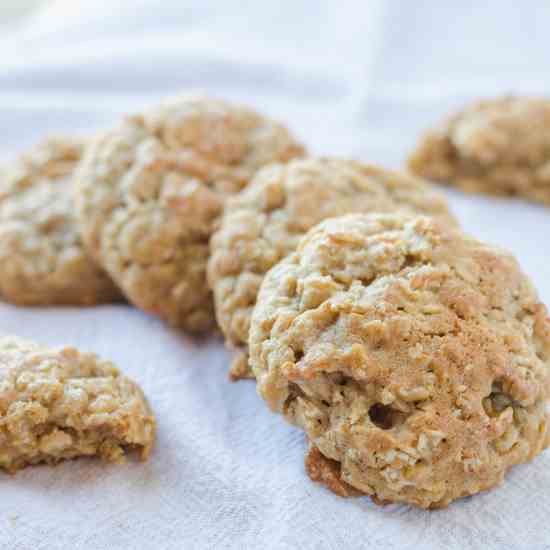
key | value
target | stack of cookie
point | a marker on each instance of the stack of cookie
(415, 358)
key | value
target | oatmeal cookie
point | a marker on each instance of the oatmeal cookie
(499, 147)
(415, 358)
(149, 192)
(60, 404)
(265, 222)
(42, 258)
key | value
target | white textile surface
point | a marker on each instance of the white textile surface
(357, 79)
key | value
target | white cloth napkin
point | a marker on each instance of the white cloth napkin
(355, 79)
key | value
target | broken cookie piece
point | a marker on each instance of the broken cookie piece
(57, 404)
(498, 147)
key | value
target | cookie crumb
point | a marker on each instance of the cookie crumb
(240, 369)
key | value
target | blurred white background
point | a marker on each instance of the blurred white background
(355, 79)
(13, 10)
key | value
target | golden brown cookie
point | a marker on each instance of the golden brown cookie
(412, 355)
(60, 404)
(499, 147)
(42, 258)
(265, 222)
(149, 192)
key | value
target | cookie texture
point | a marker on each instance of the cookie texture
(150, 190)
(323, 470)
(60, 404)
(499, 147)
(42, 258)
(264, 223)
(415, 358)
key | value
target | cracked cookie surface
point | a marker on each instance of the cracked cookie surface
(149, 193)
(265, 222)
(42, 257)
(498, 147)
(60, 404)
(415, 358)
